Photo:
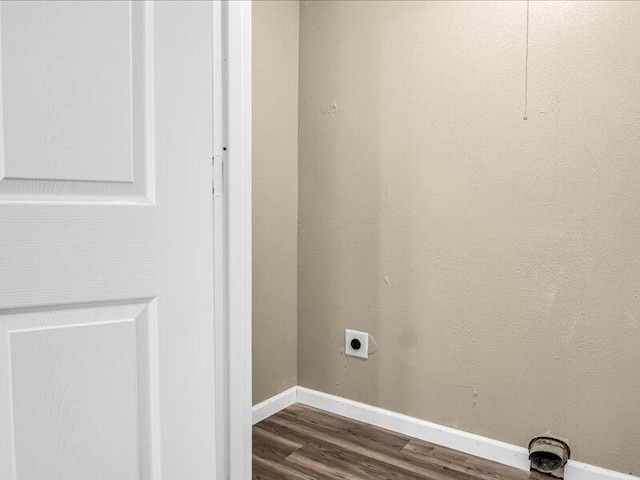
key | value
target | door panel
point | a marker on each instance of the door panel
(53, 61)
(71, 397)
(77, 104)
(106, 265)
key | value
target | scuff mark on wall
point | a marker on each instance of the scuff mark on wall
(474, 390)
(572, 331)
(332, 109)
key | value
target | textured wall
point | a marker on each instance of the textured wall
(275, 196)
(495, 260)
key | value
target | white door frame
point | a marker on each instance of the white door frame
(232, 243)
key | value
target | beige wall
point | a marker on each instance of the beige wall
(275, 196)
(495, 260)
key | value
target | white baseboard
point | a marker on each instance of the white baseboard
(583, 471)
(470, 443)
(274, 404)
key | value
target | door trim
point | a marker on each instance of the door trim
(233, 290)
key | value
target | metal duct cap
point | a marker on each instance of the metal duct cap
(548, 453)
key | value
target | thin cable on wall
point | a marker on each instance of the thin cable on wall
(526, 68)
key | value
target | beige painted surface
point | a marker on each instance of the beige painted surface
(495, 260)
(275, 196)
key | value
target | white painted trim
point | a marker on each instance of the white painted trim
(583, 471)
(235, 330)
(274, 404)
(470, 443)
(220, 320)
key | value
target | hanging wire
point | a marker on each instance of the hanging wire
(526, 68)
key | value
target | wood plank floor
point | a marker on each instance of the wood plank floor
(303, 443)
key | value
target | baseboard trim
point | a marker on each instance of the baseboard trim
(470, 443)
(274, 404)
(583, 471)
(430, 432)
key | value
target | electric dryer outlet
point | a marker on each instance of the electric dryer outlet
(356, 344)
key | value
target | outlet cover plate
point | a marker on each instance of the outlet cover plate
(363, 351)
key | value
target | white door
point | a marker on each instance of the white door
(106, 269)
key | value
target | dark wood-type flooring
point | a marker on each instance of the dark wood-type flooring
(303, 443)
